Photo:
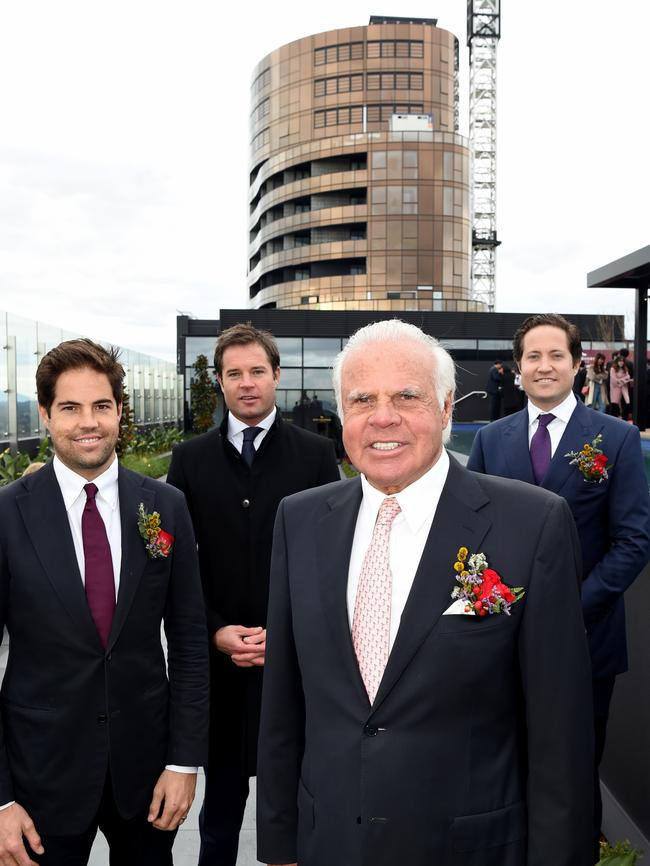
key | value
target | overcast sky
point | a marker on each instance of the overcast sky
(124, 144)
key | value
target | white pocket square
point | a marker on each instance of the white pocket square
(457, 608)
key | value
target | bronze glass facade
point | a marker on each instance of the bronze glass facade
(359, 181)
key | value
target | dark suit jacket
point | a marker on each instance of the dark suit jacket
(233, 509)
(69, 709)
(613, 517)
(478, 748)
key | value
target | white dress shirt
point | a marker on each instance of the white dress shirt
(556, 428)
(236, 430)
(108, 505)
(408, 536)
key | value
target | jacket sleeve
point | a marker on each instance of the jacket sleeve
(282, 726)
(6, 784)
(177, 477)
(556, 680)
(629, 531)
(187, 644)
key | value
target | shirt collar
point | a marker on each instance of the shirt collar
(563, 411)
(236, 426)
(72, 485)
(416, 501)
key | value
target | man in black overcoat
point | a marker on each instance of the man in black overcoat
(233, 479)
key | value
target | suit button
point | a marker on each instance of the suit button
(101, 720)
(370, 730)
(245, 503)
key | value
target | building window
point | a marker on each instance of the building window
(309, 299)
(261, 139)
(338, 53)
(338, 84)
(260, 111)
(262, 81)
(395, 48)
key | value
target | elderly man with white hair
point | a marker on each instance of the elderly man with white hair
(427, 689)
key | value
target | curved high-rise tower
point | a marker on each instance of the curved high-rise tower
(359, 180)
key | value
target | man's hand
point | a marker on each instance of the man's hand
(172, 798)
(14, 824)
(245, 646)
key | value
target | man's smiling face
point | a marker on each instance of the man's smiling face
(392, 421)
(84, 421)
(547, 368)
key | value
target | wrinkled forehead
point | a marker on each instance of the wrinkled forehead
(379, 365)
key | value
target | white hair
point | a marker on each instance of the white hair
(443, 372)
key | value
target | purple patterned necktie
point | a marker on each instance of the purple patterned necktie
(99, 579)
(540, 447)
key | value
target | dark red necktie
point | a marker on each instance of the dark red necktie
(100, 583)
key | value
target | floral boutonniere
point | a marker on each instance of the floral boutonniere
(591, 461)
(158, 542)
(481, 588)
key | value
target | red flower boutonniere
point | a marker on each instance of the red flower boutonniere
(591, 461)
(158, 542)
(481, 588)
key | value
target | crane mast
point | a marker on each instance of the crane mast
(483, 33)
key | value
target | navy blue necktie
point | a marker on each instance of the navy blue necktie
(248, 451)
(540, 447)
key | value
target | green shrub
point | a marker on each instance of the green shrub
(12, 466)
(621, 854)
(203, 396)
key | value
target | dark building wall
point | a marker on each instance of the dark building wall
(475, 340)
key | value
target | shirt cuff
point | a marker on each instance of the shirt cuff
(176, 769)
(6, 805)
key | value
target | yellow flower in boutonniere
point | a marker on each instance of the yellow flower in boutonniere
(591, 461)
(159, 543)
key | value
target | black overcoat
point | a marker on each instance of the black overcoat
(233, 510)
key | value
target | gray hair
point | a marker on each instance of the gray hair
(443, 372)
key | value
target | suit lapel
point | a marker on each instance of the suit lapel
(335, 535)
(516, 449)
(579, 431)
(456, 524)
(46, 523)
(134, 555)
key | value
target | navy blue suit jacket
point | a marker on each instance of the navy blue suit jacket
(612, 517)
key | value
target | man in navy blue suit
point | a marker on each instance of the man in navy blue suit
(610, 507)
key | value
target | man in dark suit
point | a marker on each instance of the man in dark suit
(494, 388)
(419, 706)
(233, 479)
(611, 511)
(94, 733)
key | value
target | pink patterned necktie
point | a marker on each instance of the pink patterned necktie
(99, 580)
(371, 620)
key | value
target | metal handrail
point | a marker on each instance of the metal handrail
(482, 394)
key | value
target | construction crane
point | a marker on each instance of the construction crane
(483, 33)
